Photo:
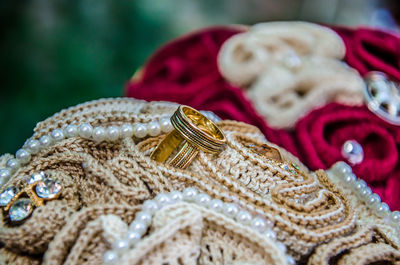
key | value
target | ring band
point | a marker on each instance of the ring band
(193, 132)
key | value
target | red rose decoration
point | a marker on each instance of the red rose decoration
(372, 50)
(322, 133)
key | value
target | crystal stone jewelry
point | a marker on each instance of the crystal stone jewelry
(193, 132)
(40, 188)
(382, 97)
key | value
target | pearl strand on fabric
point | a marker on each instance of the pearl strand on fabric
(85, 130)
(344, 173)
(143, 220)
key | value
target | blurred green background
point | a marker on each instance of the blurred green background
(59, 53)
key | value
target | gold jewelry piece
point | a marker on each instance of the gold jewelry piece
(193, 132)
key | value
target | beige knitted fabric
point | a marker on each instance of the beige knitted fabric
(105, 183)
(289, 68)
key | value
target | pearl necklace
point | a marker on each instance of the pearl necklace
(98, 134)
(344, 173)
(143, 220)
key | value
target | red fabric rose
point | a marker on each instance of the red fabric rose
(185, 71)
(322, 133)
(372, 50)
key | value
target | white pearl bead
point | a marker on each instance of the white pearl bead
(99, 134)
(45, 141)
(162, 200)
(203, 199)
(373, 199)
(110, 257)
(150, 206)
(126, 131)
(269, 223)
(153, 128)
(5, 175)
(365, 192)
(144, 217)
(166, 125)
(85, 130)
(359, 185)
(22, 156)
(382, 209)
(395, 217)
(121, 245)
(230, 209)
(112, 133)
(33, 146)
(349, 178)
(244, 217)
(12, 164)
(138, 227)
(189, 194)
(270, 234)
(176, 196)
(71, 131)
(140, 130)
(258, 224)
(133, 237)
(57, 135)
(342, 169)
(216, 205)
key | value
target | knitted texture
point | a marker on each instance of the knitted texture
(289, 68)
(322, 133)
(370, 49)
(114, 178)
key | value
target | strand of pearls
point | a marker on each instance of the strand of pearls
(85, 130)
(344, 173)
(143, 219)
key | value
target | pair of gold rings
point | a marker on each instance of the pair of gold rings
(193, 132)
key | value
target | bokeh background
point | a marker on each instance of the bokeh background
(55, 54)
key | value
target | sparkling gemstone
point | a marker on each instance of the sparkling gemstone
(285, 167)
(7, 195)
(20, 209)
(37, 177)
(48, 188)
(353, 152)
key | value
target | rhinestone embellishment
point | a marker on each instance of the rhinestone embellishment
(48, 188)
(382, 97)
(20, 210)
(37, 177)
(7, 195)
(40, 188)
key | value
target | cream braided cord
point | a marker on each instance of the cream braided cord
(288, 69)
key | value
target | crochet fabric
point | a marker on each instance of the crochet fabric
(319, 221)
(171, 74)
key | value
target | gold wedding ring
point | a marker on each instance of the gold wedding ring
(193, 132)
